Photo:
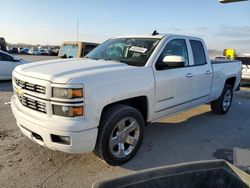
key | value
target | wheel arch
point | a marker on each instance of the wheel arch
(231, 81)
(140, 103)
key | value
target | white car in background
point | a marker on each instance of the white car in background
(34, 51)
(246, 73)
(7, 64)
(245, 59)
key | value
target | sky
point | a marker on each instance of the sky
(54, 21)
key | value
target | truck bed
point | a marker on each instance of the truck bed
(224, 69)
(223, 61)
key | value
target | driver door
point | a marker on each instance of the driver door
(173, 84)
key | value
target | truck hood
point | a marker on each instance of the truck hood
(61, 71)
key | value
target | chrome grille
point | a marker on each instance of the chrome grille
(30, 86)
(33, 104)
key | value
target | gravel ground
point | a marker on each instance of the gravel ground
(193, 135)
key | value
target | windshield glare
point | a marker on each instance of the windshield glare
(132, 51)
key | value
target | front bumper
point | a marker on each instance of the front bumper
(80, 141)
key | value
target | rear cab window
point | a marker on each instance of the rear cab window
(198, 52)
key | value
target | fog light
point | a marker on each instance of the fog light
(61, 139)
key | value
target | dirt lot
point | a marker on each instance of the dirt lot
(193, 135)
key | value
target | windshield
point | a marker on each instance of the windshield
(132, 51)
(69, 51)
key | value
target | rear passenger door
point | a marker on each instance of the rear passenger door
(201, 72)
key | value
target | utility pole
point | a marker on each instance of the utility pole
(77, 30)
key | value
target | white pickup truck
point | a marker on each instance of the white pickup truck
(102, 102)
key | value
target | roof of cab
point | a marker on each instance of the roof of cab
(158, 36)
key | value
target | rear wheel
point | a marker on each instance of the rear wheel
(223, 103)
(120, 134)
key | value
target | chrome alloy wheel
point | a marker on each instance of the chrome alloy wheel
(124, 137)
(227, 100)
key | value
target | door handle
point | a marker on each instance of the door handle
(208, 72)
(189, 75)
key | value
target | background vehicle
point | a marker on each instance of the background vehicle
(24, 51)
(8, 63)
(76, 49)
(43, 51)
(53, 52)
(102, 102)
(229, 53)
(244, 58)
(3, 44)
(246, 73)
(34, 51)
(14, 50)
(246, 68)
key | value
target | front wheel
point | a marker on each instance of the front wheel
(120, 134)
(223, 103)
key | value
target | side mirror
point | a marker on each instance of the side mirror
(173, 61)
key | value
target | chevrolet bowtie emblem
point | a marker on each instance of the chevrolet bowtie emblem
(19, 91)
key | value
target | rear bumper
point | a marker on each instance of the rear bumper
(245, 78)
(245, 75)
(80, 141)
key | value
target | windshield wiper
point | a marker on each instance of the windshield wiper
(91, 58)
(109, 59)
(106, 59)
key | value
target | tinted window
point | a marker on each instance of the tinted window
(88, 48)
(5, 57)
(198, 52)
(176, 47)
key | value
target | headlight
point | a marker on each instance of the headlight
(68, 111)
(67, 93)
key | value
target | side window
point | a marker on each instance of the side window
(88, 48)
(4, 57)
(176, 47)
(198, 52)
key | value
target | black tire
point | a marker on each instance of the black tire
(108, 123)
(217, 105)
